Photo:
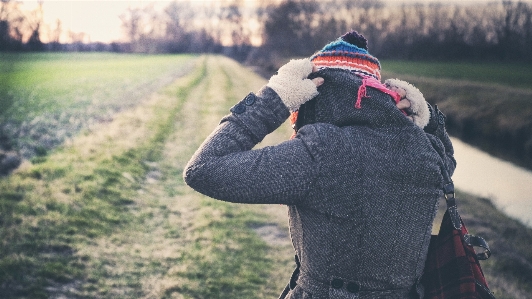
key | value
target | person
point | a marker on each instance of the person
(361, 176)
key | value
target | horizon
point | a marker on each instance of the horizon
(99, 21)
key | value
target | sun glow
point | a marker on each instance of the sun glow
(86, 21)
(93, 21)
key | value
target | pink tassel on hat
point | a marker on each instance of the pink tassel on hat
(372, 82)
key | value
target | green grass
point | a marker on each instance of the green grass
(225, 257)
(509, 74)
(107, 215)
(68, 199)
(55, 82)
(47, 98)
(236, 265)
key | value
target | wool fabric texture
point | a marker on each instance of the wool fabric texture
(348, 52)
(361, 185)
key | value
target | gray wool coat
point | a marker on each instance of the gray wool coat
(362, 185)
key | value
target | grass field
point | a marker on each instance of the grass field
(507, 74)
(46, 98)
(57, 82)
(106, 214)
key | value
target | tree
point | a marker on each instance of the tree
(514, 33)
(34, 22)
(288, 28)
(11, 19)
(142, 29)
(233, 28)
(131, 23)
(54, 36)
(178, 23)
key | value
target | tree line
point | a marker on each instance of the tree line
(268, 30)
(438, 31)
(20, 30)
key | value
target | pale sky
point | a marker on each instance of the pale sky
(99, 19)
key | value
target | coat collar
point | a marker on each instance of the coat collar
(337, 102)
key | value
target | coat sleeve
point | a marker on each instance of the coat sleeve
(226, 167)
(440, 139)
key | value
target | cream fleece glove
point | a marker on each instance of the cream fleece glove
(418, 106)
(292, 85)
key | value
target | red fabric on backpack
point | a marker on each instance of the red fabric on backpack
(452, 269)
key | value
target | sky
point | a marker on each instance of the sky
(100, 19)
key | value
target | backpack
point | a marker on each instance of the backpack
(452, 269)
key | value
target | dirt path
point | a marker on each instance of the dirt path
(161, 253)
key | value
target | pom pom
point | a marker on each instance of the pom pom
(356, 39)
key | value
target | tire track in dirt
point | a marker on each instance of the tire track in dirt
(228, 81)
(275, 232)
(153, 257)
(117, 264)
(178, 235)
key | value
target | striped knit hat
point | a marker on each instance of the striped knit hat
(350, 52)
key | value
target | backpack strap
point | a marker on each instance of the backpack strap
(450, 199)
(452, 209)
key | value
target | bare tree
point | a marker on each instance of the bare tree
(5, 37)
(143, 29)
(178, 23)
(34, 23)
(131, 23)
(55, 35)
(288, 28)
(11, 21)
(299, 27)
(514, 31)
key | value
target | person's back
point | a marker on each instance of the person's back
(367, 217)
(360, 178)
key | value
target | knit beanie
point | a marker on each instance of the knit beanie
(350, 52)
